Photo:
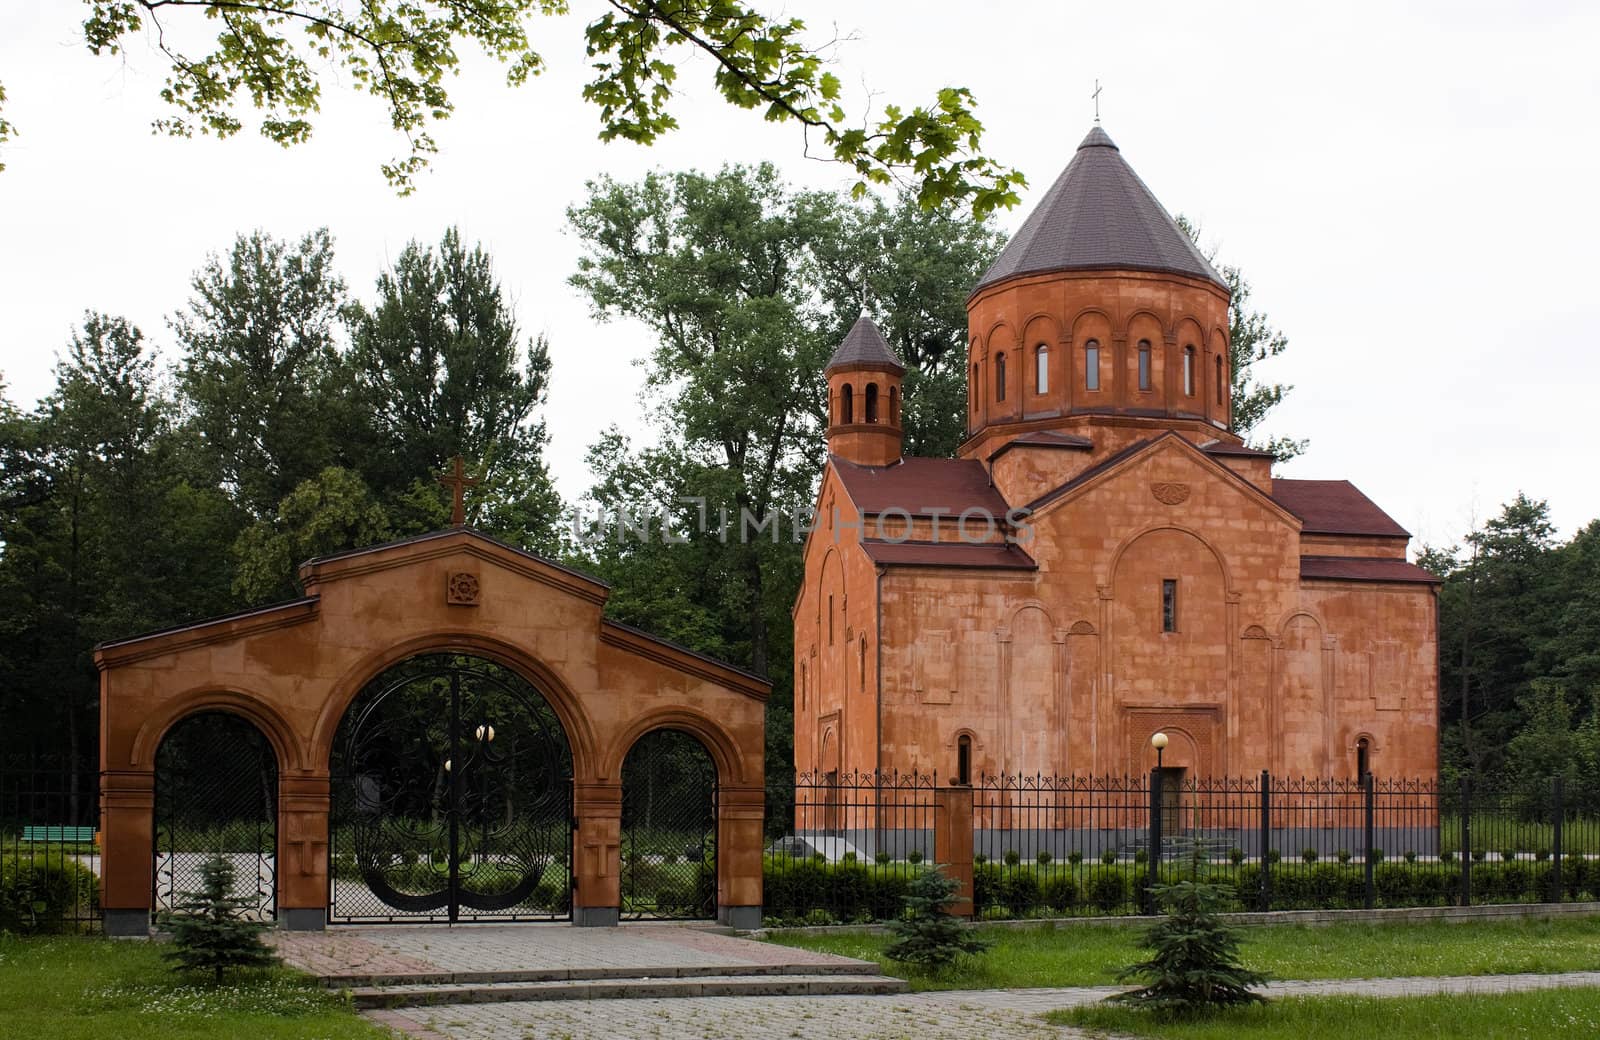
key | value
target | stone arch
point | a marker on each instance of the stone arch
(722, 748)
(829, 754)
(1110, 577)
(1081, 628)
(286, 744)
(555, 691)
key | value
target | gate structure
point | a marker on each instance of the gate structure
(216, 794)
(452, 798)
(669, 828)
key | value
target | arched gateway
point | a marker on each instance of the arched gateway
(449, 717)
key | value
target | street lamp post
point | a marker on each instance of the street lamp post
(1159, 742)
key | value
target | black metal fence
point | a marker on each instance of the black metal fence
(49, 857)
(842, 849)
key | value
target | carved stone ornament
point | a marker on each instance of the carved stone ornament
(462, 589)
(1170, 494)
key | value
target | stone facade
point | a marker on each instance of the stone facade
(1127, 564)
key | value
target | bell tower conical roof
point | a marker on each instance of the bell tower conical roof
(864, 347)
(1099, 215)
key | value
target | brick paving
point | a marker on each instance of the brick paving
(957, 1015)
(400, 950)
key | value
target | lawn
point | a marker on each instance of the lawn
(93, 989)
(1089, 955)
(1547, 1013)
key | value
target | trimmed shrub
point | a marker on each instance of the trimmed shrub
(1043, 858)
(1344, 856)
(1021, 891)
(41, 894)
(1108, 857)
(1109, 890)
(1074, 857)
(1013, 857)
(986, 886)
(1308, 855)
(1061, 893)
(881, 857)
(914, 857)
(1236, 855)
(1375, 855)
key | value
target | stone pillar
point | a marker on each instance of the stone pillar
(597, 855)
(741, 813)
(303, 852)
(952, 842)
(127, 849)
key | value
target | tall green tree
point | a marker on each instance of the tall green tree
(279, 55)
(1252, 338)
(442, 369)
(261, 375)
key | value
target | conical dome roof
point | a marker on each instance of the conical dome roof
(1099, 214)
(864, 345)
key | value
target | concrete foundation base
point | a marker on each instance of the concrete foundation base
(740, 918)
(303, 919)
(127, 924)
(596, 916)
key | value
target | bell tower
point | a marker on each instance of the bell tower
(864, 398)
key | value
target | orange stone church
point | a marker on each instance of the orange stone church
(1104, 559)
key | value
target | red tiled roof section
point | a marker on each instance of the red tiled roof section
(1361, 568)
(921, 487)
(949, 554)
(1334, 507)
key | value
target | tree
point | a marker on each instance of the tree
(441, 369)
(330, 512)
(1251, 338)
(927, 935)
(1194, 963)
(275, 55)
(261, 374)
(209, 930)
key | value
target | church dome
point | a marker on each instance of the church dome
(1098, 215)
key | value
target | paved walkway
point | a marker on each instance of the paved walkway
(955, 1015)
(404, 953)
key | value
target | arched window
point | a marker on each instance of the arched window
(894, 406)
(830, 620)
(1188, 371)
(999, 377)
(1144, 364)
(964, 760)
(1363, 757)
(1041, 369)
(1222, 397)
(872, 402)
(847, 405)
(1091, 365)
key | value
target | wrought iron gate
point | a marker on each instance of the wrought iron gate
(669, 828)
(216, 795)
(452, 798)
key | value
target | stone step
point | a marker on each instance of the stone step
(476, 978)
(811, 985)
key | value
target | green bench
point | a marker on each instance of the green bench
(58, 834)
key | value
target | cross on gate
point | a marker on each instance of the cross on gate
(458, 482)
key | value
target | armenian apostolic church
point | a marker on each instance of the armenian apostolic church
(1103, 560)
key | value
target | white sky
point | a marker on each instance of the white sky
(1411, 193)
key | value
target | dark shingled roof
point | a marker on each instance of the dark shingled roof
(864, 345)
(1241, 450)
(1044, 439)
(1360, 568)
(949, 554)
(921, 486)
(1334, 507)
(1099, 214)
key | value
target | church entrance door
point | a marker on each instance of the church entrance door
(1172, 778)
(452, 798)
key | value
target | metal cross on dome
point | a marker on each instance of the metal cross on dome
(1096, 97)
(458, 482)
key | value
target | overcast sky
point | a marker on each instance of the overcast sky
(1410, 192)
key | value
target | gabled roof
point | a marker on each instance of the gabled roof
(1362, 568)
(921, 486)
(1097, 215)
(1044, 439)
(971, 555)
(1334, 507)
(1240, 450)
(864, 346)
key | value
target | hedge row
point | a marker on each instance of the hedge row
(44, 895)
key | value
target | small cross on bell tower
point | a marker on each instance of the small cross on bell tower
(458, 482)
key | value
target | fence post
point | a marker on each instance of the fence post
(1370, 800)
(1557, 812)
(1466, 841)
(1154, 858)
(1266, 841)
(952, 843)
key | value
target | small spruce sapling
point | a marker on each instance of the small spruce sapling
(209, 930)
(927, 935)
(1194, 964)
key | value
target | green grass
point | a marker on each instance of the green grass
(1068, 955)
(1504, 1016)
(93, 989)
